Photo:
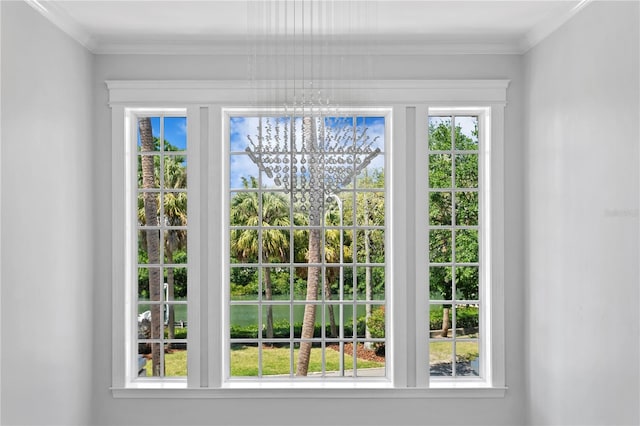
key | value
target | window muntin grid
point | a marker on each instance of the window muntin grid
(339, 225)
(454, 263)
(161, 243)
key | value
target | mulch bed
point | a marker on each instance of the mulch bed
(361, 352)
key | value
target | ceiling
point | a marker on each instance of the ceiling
(392, 26)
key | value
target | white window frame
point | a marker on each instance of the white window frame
(359, 112)
(407, 368)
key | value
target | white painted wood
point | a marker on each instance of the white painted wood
(194, 213)
(465, 96)
(385, 27)
(421, 237)
(119, 297)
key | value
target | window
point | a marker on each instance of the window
(306, 246)
(321, 254)
(455, 266)
(161, 259)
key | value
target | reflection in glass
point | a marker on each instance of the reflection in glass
(440, 168)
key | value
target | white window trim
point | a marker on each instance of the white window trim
(410, 102)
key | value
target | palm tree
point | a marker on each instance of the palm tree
(314, 273)
(150, 205)
(175, 214)
(275, 242)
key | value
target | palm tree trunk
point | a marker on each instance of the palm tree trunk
(445, 321)
(315, 247)
(171, 321)
(153, 237)
(268, 294)
(332, 318)
(368, 293)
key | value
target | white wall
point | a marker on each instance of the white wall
(47, 223)
(582, 128)
(507, 411)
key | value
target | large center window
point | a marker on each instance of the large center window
(307, 282)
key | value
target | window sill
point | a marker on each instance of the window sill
(300, 391)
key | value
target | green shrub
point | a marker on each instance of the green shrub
(376, 323)
(467, 317)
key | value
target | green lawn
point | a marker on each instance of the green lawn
(440, 352)
(244, 362)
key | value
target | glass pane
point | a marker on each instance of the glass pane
(148, 134)
(244, 321)
(244, 245)
(175, 321)
(243, 359)
(467, 171)
(276, 359)
(175, 209)
(372, 176)
(467, 359)
(299, 312)
(467, 321)
(175, 360)
(150, 320)
(149, 171)
(149, 284)
(466, 245)
(440, 171)
(175, 246)
(144, 321)
(176, 279)
(147, 239)
(275, 209)
(148, 209)
(439, 133)
(332, 315)
(370, 361)
(150, 359)
(275, 321)
(175, 172)
(239, 128)
(371, 279)
(467, 208)
(243, 172)
(440, 358)
(466, 133)
(280, 283)
(440, 208)
(243, 283)
(175, 133)
(439, 246)
(467, 282)
(440, 321)
(371, 246)
(370, 209)
(244, 209)
(440, 278)
(376, 322)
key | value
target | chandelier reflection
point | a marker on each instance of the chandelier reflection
(306, 145)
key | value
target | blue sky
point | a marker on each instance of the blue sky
(241, 127)
(175, 130)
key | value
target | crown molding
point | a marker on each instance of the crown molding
(545, 28)
(389, 46)
(62, 20)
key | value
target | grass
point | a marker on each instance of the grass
(244, 362)
(440, 352)
(175, 364)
